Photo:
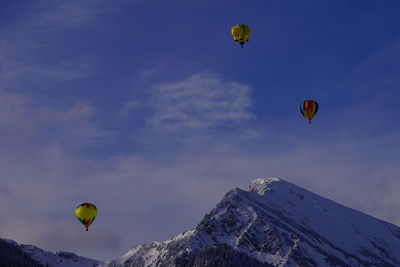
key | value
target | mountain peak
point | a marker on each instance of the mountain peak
(261, 185)
(275, 223)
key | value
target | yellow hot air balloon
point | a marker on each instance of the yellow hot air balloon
(86, 213)
(240, 33)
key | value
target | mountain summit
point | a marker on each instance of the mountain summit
(275, 223)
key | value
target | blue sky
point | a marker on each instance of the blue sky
(151, 111)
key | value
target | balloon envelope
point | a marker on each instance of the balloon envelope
(86, 213)
(308, 108)
(241, 33)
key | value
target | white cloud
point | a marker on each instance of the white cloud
(59, 234)
(31, 124)
(36, 48)
(200, 101)
(379, 72)
(67, 14)
(386, 58)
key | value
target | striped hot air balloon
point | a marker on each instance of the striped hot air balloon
(308, 108)
(86, 213)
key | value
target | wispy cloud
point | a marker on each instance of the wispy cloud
(199, 101)
(386, 58)
(57, 14)
(379, 73)
(26, 120)
(36, 48)
(60, 234)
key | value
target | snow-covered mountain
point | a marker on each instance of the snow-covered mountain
(13, 254)
(272, 223)
(275, 223)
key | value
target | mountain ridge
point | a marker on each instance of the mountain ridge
(18, 255)
(278, 223)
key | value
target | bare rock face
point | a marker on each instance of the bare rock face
(275, 223)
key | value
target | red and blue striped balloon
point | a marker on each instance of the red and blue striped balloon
(308, 108)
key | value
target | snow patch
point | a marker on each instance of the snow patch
(260, 185)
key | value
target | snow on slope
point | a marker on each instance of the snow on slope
(338, 229)
(279, 223)
(55, 259)
(59, 258)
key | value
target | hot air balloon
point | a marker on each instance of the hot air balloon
(86, 213)
(308, 108)
(240, 33)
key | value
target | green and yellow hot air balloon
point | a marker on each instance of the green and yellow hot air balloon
(86, 213)
(308, 108)
(240, 33)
